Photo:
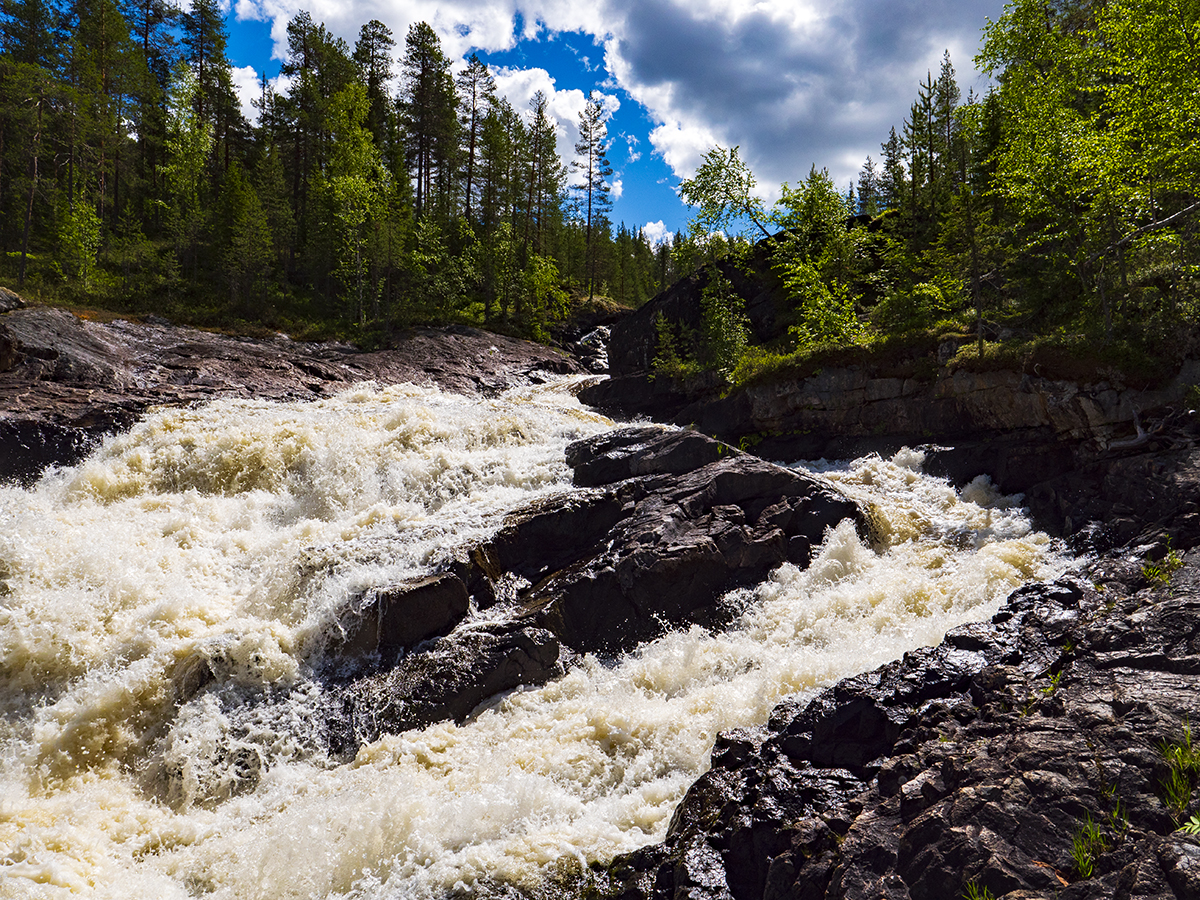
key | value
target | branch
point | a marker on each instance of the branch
(1137, 232)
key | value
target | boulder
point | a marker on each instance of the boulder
(448, 679)
(389, 620)
(668, 522)
(10, 300)
(977, 763)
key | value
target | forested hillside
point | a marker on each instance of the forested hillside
(368, 195)
(1057, 212)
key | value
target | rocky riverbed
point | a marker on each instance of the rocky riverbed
(1044, 754)
(67, 381)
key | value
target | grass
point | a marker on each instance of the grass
(1088, 842)
(1183, 772)
(974, 891)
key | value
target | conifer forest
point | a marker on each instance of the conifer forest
(386, 187)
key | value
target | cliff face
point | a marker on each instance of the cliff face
(1047, 753)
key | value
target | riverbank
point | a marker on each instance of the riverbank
(67, 381)
(955, 768)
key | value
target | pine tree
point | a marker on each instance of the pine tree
(591, 162)
(428, 107)
(373, 56)
(477, 91)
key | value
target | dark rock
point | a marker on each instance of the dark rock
(676, 521)
(9, 301)
(65, 381)
(630, 452)
(996, 747)
(634, 340)
(389, 620)
(448, 679)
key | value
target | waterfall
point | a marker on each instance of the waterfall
(223, 538)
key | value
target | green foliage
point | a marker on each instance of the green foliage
(722, 190)
(1191, 826)
(908, 310)
(724, 330)
(79, 242)
(975, 891)
(1087, 842)
(1161, 572)
(1183, 773)
(667, 359)
(719, 343)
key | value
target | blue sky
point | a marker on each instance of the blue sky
(793, 83)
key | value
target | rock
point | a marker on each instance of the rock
(975, 762)
(634, 339)
(448, 679)
(669, 523)
(1129, 497)
(9, 300)
(390, 620)
(65, 382)
(630, 452)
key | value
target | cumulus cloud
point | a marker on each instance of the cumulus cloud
(247, 84)
(657, 233)
(792, 82)
(564, 107)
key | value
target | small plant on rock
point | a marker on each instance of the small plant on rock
(1183, 772)
(1161, 572)
(1088, 842)
(974, 891)
(1191, 826)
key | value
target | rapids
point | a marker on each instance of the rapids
(230, 533)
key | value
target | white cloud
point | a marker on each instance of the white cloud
(248, 87)
(657, 233)
(618, 188)
(793, 82)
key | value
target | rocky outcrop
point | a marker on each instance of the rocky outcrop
(844, 411)
(634, 338)
(1136, 495)
(67, 381)
(666, 524)
(1088, 457)
(1030, 756)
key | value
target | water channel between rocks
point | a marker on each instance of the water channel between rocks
(230, 533)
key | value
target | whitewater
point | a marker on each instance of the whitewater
(230, 535)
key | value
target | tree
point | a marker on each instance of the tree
(355, 177)
(723, 191)
(373, 56)
(477, 92)
(546, 174)
(428, 107)
(591, 161)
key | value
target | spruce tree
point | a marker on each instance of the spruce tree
(591, 161)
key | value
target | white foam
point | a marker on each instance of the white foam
(126, 570)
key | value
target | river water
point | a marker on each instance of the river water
(226, 537)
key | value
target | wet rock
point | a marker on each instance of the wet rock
(387, 621)
(994, 750)
(447, 679)
(66, 382)
(671, 522)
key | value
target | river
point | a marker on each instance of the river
(229, 535)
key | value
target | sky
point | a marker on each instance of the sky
(791, 83)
